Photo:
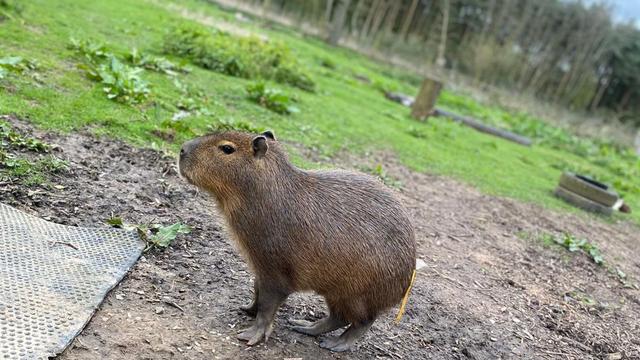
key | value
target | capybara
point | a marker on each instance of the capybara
(341, 234)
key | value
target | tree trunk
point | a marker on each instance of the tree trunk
(337, 23)
(327, 15)
(624, 101)
(367, 23)
(355, 17)
(408, 20)
(604, 84)
(442, 47)
(426, 100)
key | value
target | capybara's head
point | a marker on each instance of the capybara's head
(227, 162)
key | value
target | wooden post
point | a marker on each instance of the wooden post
(426, 100)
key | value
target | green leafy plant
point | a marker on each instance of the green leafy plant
(417, 132)
(10, 137)
(161, 236)
(119, 81)
(571, 243)
(273, 99)
(387, 179)
(15, 64)
(10, 8)
(155, 63)
(15, 165)
(328, 63)
(155, 235)
(246, 57)
(115, 221)
(237, 125)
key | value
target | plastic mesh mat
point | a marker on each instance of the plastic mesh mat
(52, 279)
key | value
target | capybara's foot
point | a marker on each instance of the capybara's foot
(321, 326)
(335, 344)
(255, 334)
(348, 337)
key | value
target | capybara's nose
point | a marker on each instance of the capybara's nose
(188, 147)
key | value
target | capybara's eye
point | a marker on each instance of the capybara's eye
(227, 149)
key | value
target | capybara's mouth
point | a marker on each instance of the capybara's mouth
(181, 172)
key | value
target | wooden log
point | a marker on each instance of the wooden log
(475, 124)
(426, 100)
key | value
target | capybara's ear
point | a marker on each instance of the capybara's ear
(260, 146)
(269, 134)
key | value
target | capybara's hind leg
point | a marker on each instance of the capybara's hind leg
(267, 304)
(345, 341)
(252, 308)
(327, 324)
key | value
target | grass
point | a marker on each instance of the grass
(16, 165)
(343, 113)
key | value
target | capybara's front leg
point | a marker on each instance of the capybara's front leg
(268, 303)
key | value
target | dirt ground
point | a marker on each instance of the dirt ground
(488, 289)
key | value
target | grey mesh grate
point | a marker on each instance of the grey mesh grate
(52, 279)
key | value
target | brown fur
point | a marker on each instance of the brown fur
(341, 234)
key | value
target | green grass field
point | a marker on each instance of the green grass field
(342, 114)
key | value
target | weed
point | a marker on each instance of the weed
(115, 221)
(16, 166)
(571, 243)
(10, 137)
(237, 125)
(119, 81)
(246, 57)
(382, 174)
(417, 132)
(9, 8)
(273, 99)
(15, 64)
(155, 235)
(328, 63)
(155, 63)
(191, 100)
(92, 51)
(160, 236)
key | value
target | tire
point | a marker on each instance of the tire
(582, 202)
(589, 189)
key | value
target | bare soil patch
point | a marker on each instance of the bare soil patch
(488, 290)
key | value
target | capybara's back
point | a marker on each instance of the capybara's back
(341, 234)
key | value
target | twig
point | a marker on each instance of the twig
(449, 278)
(173, 304)
(389, 353)
(64, 243)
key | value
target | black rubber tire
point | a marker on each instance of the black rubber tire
(582, 202)
(588, 189)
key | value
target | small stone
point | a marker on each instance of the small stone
(159, 310)
(420, 264)
(493, 339)
(119, 297)
(516, 320)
